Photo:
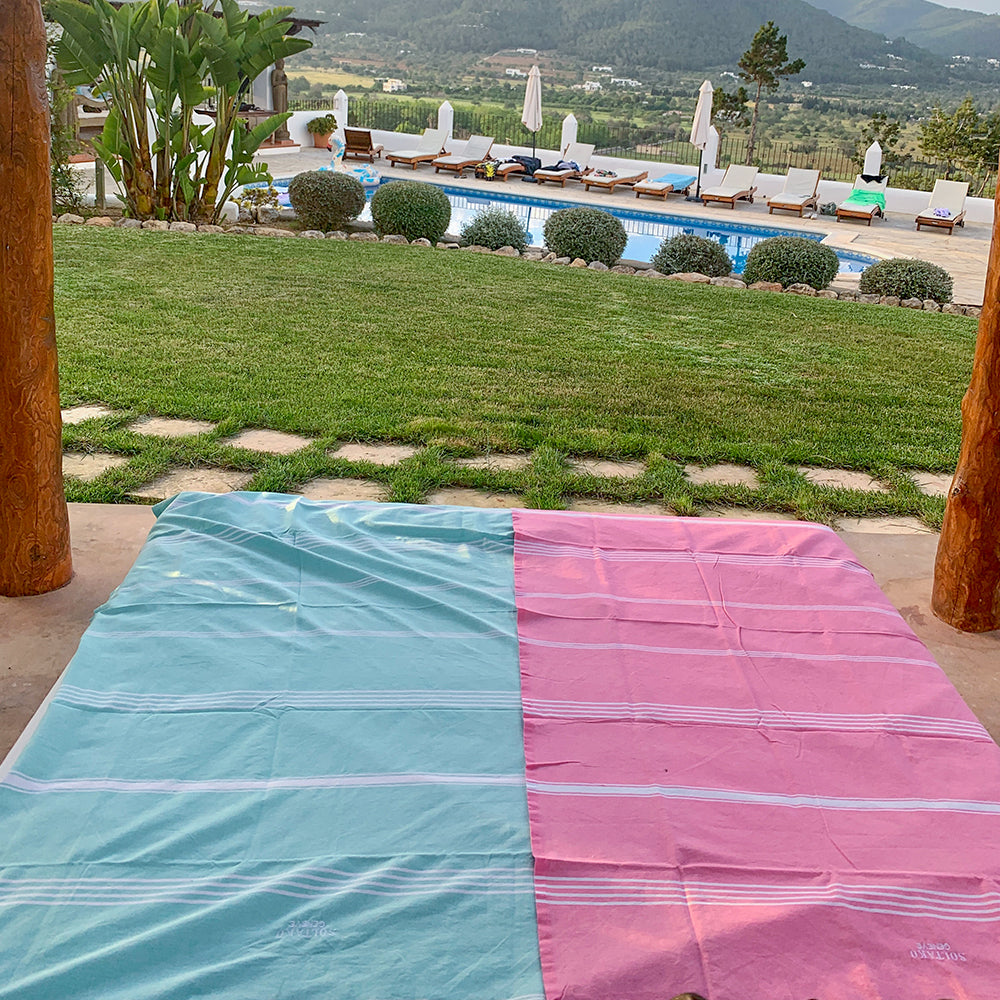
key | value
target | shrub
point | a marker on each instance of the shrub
(686, 252)
(323, 125)
(908, 279)
(495, 228)
(791, 260)
(411, 209)
(325, 200)
(587, 233)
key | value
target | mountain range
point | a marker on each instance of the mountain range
(841, 41)
(944, 30)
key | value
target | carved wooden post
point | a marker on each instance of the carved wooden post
(34, 525)
(967, 572)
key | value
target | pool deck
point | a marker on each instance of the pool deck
(963, 254)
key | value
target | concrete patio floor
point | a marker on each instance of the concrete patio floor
(38, 635)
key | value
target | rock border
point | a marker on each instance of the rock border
(533, 254)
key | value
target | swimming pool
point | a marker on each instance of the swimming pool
(646, 230)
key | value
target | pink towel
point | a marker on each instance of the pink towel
(746, 776)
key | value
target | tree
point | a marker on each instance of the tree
(764, 64)
(730, 109)
(159, 60)
(34, 525)
(966, 591)
(887, 133)
(951, 138)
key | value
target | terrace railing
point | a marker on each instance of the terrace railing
(634, 142)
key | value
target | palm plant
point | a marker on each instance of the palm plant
(157, 61)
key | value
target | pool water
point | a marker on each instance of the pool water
(646, 230)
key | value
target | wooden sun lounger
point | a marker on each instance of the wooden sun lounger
(576, 152)
(660, 187)
(610, 183)
(430, 147)
(477, 149)
(866, 212)
(800, 192)
(737, 185)
(358, 145)
(947, 196)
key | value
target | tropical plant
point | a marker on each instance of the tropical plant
(158, 61)
(495, 228)
(412, 209)
(687, 252)
(791, 260)
(906, 279)
(763, 65)
(325, 199)
(585, 233)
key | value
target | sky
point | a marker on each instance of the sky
(986, 6)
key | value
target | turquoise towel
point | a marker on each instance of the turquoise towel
(286, 763)
(679, 181)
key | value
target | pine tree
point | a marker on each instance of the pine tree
(764, 64)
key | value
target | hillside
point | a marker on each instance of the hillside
(637, 34)
(943, 30)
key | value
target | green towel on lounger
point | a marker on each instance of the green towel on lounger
(865, 198)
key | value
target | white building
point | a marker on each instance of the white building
(591, 85)
(513, 71)
(393, 86)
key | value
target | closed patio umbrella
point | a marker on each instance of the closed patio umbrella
(872, 169)
(531, 116)
(701, 126)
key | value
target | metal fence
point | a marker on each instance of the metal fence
(634, 142)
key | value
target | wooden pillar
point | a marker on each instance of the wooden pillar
(967, 572)
(34, 525)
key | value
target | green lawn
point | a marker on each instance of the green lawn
(466, 352)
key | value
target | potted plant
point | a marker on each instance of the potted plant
(321, 129)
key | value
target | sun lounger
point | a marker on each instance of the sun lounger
(947, 206)
(798, 193)
(358, 145)
(477, 149)
(660, 187)
(866, 201)
(609, 181)
(430, 147)
(737, 184)
(579, 153)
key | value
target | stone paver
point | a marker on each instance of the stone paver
(377, 454)
(884, 526)
(458, 496)
(273, 442)
(168, 427)
(746, 514)
(844, 479)
(622, 509)
(208, 480)
(723, 474)
(607, 469)
(77, 414)
(935, 484)
(343, 489)
(88, 467)
(497, 460)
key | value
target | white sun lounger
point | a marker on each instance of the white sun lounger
(477, 148)
(798, 192)
(738, 183)
(579, 153)
(430, 146)
(610, 182)
(660, 187)
(947, 206)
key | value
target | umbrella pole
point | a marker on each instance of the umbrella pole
(697, 184)
(534, 138)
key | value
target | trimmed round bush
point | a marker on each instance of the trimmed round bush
(908, 279)
(587, 233)
(412, 209)
(326, 200)
(791, 260)
(495, 228)
(686, 252)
